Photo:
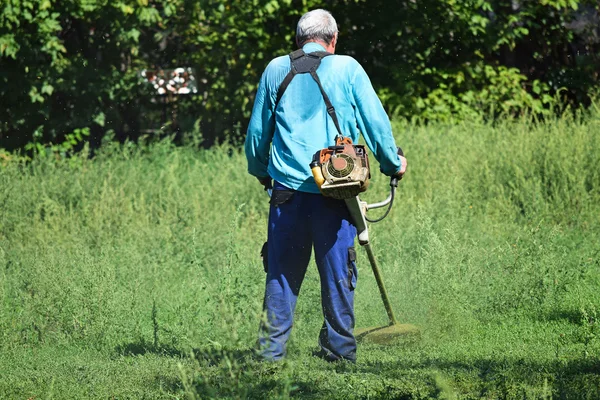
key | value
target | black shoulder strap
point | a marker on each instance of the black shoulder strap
(330, 108)
(288, 78)
(302, 63)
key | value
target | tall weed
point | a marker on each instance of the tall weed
(152, 251)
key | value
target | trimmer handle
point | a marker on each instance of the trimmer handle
(394, 180)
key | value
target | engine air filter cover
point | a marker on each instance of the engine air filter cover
(341, 166)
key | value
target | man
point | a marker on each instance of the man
(280, 143)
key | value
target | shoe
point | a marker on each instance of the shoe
(330, 357)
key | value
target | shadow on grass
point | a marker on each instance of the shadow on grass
(210, 354)
(142, 348)
(572, 316)
(508, 378)
(214, 356)
(223, 372)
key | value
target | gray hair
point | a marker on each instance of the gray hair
(316, 25)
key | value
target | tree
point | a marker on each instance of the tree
(71, 68)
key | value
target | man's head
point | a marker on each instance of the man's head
(317, 26)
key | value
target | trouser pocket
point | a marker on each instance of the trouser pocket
(280, 196)
(352, 271)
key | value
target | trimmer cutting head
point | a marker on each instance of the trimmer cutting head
(387, 334)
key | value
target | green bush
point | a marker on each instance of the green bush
(70, 67)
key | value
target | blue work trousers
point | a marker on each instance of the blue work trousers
(304, 221)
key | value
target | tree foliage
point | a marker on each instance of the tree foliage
(70, 68)
(437, 58)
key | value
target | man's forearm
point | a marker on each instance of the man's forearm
(259, 135)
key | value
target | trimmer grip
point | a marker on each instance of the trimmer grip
(394, 180)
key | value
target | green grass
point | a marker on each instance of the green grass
(137, 274)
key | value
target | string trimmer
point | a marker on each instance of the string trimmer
(342, 172)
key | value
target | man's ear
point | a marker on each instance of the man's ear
(334, 40)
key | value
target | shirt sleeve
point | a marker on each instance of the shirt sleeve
(260, 132)
(374, 123)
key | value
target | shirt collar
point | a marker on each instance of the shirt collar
(311, 47)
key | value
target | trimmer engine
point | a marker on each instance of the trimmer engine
(341, 171)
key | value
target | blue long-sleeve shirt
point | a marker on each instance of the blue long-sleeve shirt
(281, 143)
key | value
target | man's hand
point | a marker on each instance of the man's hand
(266, 182)
(400, 173)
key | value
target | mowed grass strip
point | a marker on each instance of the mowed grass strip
(137, 274)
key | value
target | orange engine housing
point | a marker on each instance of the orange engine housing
(341, 171)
